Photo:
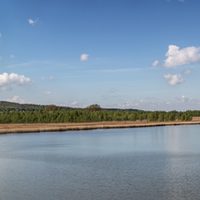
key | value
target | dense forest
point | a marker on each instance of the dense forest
(27, 113)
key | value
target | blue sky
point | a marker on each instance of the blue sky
(118, 53)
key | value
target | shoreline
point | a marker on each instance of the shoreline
(50, 127)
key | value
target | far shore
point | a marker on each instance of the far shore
(47, 127)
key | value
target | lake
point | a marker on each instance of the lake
(156, 163)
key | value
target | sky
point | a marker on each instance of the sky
(142, 54)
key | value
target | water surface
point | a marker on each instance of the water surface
(141, 163)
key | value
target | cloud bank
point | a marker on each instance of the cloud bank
(16, 99)
(173, 79)
(177, 56)
(13, 79)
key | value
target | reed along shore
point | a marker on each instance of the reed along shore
(48, 127)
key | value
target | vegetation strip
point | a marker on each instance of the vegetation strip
(47, 127)
(28, 113)
(20, 118)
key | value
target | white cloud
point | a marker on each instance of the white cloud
(174, 79)
(176, 56)
(155, 63)
(13, 79)
(84, 57)
(32, 22)
(16, 99)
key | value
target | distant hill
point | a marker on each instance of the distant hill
(5, 105)
(9, 106)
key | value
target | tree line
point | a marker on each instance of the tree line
(94, 113)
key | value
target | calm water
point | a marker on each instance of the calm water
(158, 163)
